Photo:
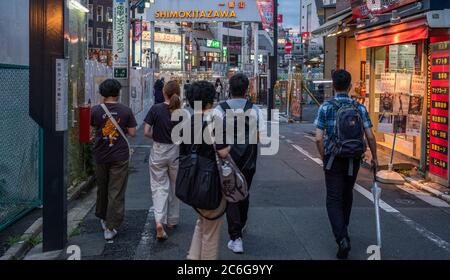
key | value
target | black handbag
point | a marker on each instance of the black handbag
(198, 182)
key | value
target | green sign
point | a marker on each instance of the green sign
(215, 44)
(224, 52)
(120, 73)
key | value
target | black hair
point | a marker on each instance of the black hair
(110, 88)
(201, 91)
(239, 85)
(159, 84)
(341, 80)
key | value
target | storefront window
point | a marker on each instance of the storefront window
(399, 87)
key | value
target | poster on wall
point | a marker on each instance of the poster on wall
(377, 105)
(414, 125)
(401, 104)
(400, 124)
(380, 66)
(386, 104)
(386, 123)
(438, 98)
(418, 85)
(403, 83)
(415, 105)
(386, 83)
(393, 57)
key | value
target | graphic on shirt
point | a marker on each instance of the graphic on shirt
(109, 132)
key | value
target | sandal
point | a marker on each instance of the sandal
(161, 235)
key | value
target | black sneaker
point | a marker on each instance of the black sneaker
(344, 249)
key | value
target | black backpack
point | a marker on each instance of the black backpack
(244, 155)
(348, 137)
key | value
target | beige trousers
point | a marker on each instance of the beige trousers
(205, 242)
(163, 174)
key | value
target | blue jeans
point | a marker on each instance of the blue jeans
(340, 194)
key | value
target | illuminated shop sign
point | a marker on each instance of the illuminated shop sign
(205, 10)
(438, 98)
(215, 44)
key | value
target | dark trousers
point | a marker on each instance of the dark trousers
(111, 185)
(237, 213)
(340, 194)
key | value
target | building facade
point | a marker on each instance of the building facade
(100, 30)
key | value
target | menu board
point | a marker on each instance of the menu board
(437, 127)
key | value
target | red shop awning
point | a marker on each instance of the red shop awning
(396, 34)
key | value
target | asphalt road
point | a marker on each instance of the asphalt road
(287, 219)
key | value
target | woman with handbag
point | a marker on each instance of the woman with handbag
(198, 182)
(163, 160)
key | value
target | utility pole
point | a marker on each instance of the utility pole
(273, 61)
(48, 107)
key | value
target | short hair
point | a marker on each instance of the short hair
(341, 80)
(202, 91)
(110, 88)
(239, 85)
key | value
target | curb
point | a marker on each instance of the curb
(428, 189)
(18, 250)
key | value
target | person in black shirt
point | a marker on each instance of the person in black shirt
(111, 154)
(205, 241)
(158, 91)
(163, 159)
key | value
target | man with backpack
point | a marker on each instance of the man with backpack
(342, 124)
(244, 153)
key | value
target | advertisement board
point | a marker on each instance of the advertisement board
(169, 55)
(362, 8)
(204, 10)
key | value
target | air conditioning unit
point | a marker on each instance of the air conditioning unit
(439, 19)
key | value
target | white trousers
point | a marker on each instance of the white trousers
(205, 242)
(163, 174)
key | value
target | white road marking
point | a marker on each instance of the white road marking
(304, 152)
(389, 209)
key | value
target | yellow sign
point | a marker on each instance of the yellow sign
(167, 38)
(184, 14)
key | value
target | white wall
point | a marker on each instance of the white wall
(14, 33)
(314, 19)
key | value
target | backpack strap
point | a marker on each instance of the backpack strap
(248, 106)
(225, 106)
(330, 161)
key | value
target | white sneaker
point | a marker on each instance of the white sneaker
(236, 246)
(110, 234)
(103, 223)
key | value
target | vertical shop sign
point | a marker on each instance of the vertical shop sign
(438, 93)
(121, 37)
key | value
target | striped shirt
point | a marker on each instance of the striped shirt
(326, 117)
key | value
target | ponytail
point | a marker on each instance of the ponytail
(172, 93)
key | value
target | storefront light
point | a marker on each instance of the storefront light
(75, 4)
(395, 18)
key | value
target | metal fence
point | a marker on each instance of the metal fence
(19, 147)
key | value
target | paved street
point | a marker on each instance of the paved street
(288, 218)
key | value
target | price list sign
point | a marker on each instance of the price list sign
(438, 99)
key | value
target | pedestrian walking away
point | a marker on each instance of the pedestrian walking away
(219, 89)
(205, 240)
(245, 155)
(158, 91)
(342, 125)
(111, 122)
(163, 164)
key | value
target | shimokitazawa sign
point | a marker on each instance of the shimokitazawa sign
(205, 10)
(121, 35)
